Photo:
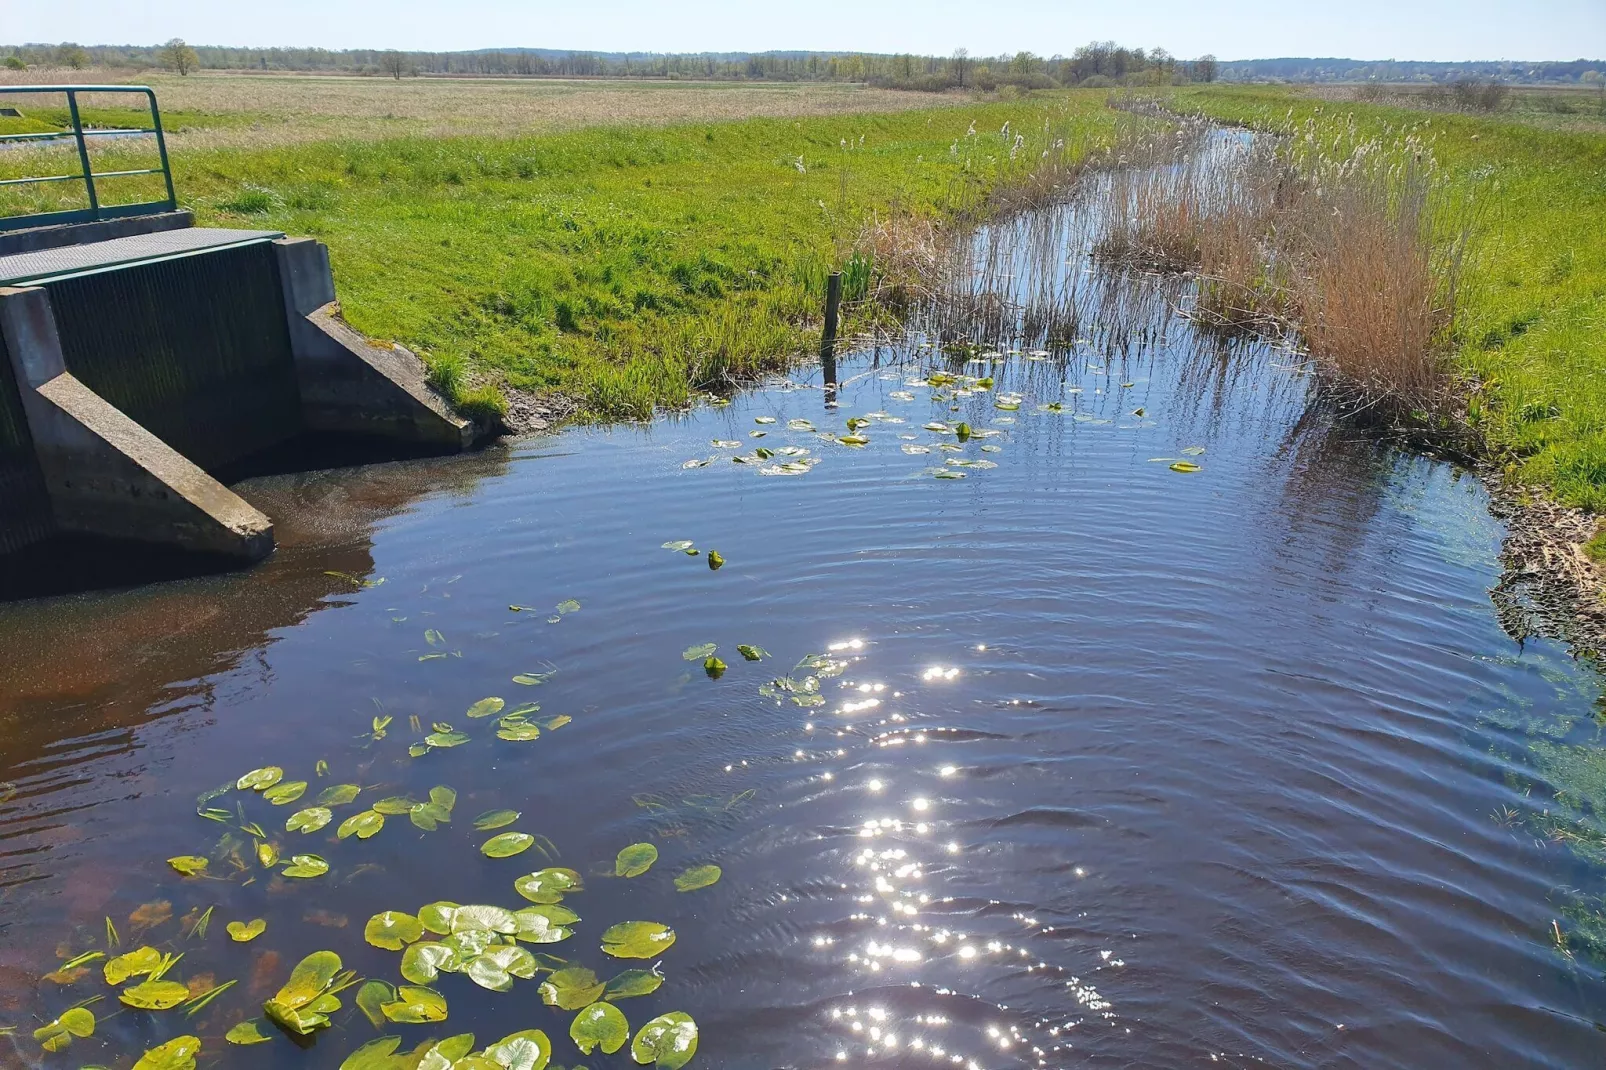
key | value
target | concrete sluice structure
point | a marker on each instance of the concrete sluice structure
(139, 359)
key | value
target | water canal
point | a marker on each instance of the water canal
(1083, 760)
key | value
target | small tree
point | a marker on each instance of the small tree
(1205, 68)
(961, 63)
(71, 55)
(394, 64)
(180, 57)
(14, 63)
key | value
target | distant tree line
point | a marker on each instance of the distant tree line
(1100, 63)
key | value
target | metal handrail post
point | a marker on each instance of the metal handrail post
(161, 147)
(83, 152)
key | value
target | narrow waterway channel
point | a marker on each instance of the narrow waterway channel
(1111, 763)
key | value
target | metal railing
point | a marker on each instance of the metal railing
(86, 172)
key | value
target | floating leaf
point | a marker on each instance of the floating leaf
(678, 544)
(422, 962)
(698, 877)
(601, 1025)
(555, 722)
(188, 865)
(1193, 451)
(571, 988)
(629, 983)
(370, 997)
(548, 885)
(714, 667)
(443, 740)
(362, 825)
(305, 866)
(530, 679)
(483, 918)
(437, 917)
(308, 980)
(752, 653)
(698, 652)
(374, 1055)
(311, 819)
(434, 638)
(244, 932)
(526, 1050)
(443, 797)
(668, 1041)
(1184, 466)
(268, 854)
(715, 559)
(854, 440)
(392, 930)
(485, 707)
(288, 792)
(518, 732)
(495, 819)
(635, 860)
(176, 1054)
(136, 963)
(637, 940)
(507, 845)
(154, 995)
(416, 1005)
(260, 779)
(395, 805)
(57, 1035)
(246, 1033)
(567, 606)
(489, 973)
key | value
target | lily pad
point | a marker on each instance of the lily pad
(416, 1005)
(495, 819)
(305, 866)
(548, 885)
(567, 606)
(1193, 451)
(154, 995)
(422, 962)
(395, 805)
(188, 865)
(668, 1042)
(392, 930)
(698, 877)
(135, 963)
(635, 860)
(714, 667)
(530, 679)
(637, 940)
(629, 983)
(260, 779)
(445, 740)
(337, 794)
(176, 1054)
(752, 653)
(243, 932)
(681, 545)
(716, 559)
(491, 919)
(537, 926)
(485, 707)
(309, 820)
(57, 1035)
(428, 816)
(246, 1033)
(507, 845)
(308, 980)
(374, 1055)
(698, 652)
(371, 996)
(518, 732)
(528, 1049)
(437, 917)
(284, 793)
(601, 1025)
(1184, 466)
(362, 825)
(571, 989)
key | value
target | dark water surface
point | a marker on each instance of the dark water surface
(1123, 767)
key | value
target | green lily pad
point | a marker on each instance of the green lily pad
(571, 988)
(698, 877)
(362, 825)
(428, 816)
(154, 995)
(487, 918)
(305, 866)
(520, 732)
(371, 996)
(374, 1055)
(58, 1034)
(445, 740)
(176, 1054)
(486, 707)
(716, 560)
(422, 962)
(629, 983)
(188, 865)
(752, 653)
(1184, 466)
(437, 917)
(495, 819)
(395, 805)
(392, 930)
(635, 860)
(531, 679)
(668, 1042)
(246, 1033)
(446, 1053)
(338, 794)
(544, 924)
(507, 845)
(678, 544)
(601, 1025)
(637, 940)
(567, 606)
(528, 1049)
(488, 973)
(699, 652)
(260, 779)
(135, 963)
(714, 667)
(309, 820)
(416, 1005)
(244, 932)
(308, 980)
(287, 792)
(548, 885)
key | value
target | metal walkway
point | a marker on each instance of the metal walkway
(48, 265)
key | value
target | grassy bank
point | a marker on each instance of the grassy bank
(1532, 324)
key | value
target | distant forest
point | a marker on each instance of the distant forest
(1099, 64)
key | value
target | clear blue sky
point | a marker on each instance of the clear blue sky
(1231, 29)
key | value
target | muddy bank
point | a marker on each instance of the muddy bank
(1549, 586)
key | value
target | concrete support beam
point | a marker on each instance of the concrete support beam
(105, 474)
(349, 384)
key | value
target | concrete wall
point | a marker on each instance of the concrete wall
(24, 507)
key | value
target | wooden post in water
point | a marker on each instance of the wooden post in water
(833, 305)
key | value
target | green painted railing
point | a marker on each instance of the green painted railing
(86, 173)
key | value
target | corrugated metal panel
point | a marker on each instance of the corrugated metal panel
(195, 349)
(24, 507)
